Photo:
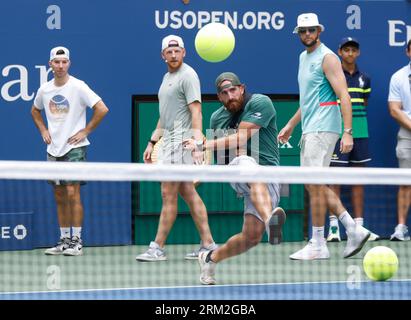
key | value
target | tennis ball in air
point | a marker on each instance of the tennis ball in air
(214, 42)
(380, 263)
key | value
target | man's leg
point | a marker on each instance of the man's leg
(334, 230)
(198, 211)
(73, 198)
(169, 195)
(403, 202)
(63, 207)
(168, 215)
(403, 205)
(64, 221)
(75, 205)
(250, 236)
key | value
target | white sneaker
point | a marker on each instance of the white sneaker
(312, 251)
(59, 248)
(373, 237)
(194, 255)
(75, 247)
(355, 241)
(400, 234)
(207, 269)
(274, 226)
(334, 234)
(154, 253)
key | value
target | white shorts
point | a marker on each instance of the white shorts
(243, 189)
(317, 148)
(403, 149)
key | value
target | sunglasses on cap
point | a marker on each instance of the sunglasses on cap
(304, 30)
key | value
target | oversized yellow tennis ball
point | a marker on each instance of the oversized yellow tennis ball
(380, 263)
(214, 42)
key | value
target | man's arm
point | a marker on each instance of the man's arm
(197, 120)
(334, 73)
(100, 111)
(285, 133)
(39, 122)
(396, 112)
(245, 131)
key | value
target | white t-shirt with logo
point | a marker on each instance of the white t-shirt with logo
(65, 109)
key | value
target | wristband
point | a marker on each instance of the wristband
(152, 142)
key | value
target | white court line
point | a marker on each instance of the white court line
(188, 287)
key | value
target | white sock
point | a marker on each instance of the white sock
(65, 232)
(333, 221)
(359, 221)
(347, 221)
(77, 232)
(402, 227)
(318, 235)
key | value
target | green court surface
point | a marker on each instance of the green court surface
(115, 267)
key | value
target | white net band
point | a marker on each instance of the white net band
(92, 171)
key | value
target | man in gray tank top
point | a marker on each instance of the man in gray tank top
(180, 118)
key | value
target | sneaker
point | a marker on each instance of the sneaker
(154, 253)
(373, 237)
(207, 269)
(312, 251)
(60, 247)
(274, 226)
(334, 235)
(400, 234)
(75, 247)
(194, 255)
(356, 240)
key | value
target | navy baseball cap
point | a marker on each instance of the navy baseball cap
(349, 40)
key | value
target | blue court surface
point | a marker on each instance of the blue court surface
(389, 290)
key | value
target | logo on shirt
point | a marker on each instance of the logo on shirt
(59, 106)
(257, 115)
(361, 82)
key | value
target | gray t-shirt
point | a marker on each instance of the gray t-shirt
(176, 92)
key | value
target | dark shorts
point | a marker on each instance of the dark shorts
(74, 155)
(358, 157)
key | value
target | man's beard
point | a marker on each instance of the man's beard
(310, 44)
(234, 105)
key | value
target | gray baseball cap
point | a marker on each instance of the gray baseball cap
(227, 76)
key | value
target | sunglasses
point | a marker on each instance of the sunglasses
(304, 30)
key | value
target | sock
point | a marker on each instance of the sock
(333, 221)
(65, 232)
(77, 232)
(347, 221)
(402, 227)
(318, 234)
(359, 221)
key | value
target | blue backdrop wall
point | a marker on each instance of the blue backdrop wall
(115, 48)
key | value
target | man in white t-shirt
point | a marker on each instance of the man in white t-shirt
(399, 103)
(65, 100)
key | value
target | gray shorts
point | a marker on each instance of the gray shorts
(174, 154)
(74, 155)
(403, 149)
(243, 189)
(317, 149)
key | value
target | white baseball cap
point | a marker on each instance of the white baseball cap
(307, 20)
(59, 52)
(172, 41)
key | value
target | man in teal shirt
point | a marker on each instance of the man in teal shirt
(244, 132)
(321, 81)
